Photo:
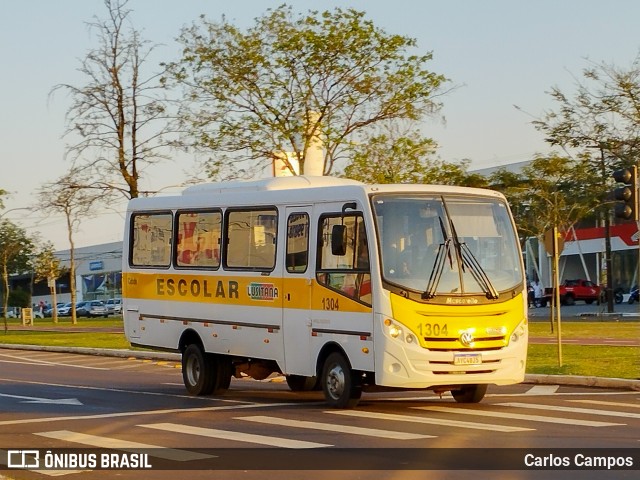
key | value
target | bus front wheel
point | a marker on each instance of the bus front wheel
(198, 371)
(342, 389)
(469, 393)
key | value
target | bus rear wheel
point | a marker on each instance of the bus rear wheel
(469, 393)
(198, 371)
(342, 389)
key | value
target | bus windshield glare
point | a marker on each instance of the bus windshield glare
(447, 245)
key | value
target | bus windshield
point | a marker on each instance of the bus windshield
(447, 244)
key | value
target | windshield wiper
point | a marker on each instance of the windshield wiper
(438, 264)
(471, 262)
(438, 268)
(466, 259)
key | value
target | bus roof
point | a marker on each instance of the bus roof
(294, 189)
(265, 184)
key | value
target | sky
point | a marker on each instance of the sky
(499, 54)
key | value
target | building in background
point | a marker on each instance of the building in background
(98, 275)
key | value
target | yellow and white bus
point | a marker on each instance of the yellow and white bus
(331, 282)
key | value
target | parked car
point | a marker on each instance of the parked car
(48, 312)
(114, 306)
(91, 308)
(65, 310)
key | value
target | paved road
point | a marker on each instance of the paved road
(60, 400)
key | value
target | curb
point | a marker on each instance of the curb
(536, 379)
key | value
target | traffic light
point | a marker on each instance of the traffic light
(628, 207)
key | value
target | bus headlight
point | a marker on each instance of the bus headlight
(394, 330)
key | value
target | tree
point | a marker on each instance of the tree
(75, 203)
(47, 267)
(396, 156)
(118, 116)
(550, 191)
(604, 114)
(15, 249)
(288, 82)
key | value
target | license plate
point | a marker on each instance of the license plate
(467, 359)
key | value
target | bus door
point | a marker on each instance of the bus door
(341, 297)
(297, 281)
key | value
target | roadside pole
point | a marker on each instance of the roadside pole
(556, 281)
(554, 245)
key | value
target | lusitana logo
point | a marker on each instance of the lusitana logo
(262, 291)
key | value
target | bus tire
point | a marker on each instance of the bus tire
(341, 387)
(469, 393)
(225, 372)
(198, 371)
(300, 383)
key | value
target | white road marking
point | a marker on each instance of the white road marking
(518, 416)
(430, 421)
(557, 408)
(42, 363)
(121, 390)
(234, 436)
(56, 401)
(147, 412)
(328, 427)
(125, 445)
(602, 402)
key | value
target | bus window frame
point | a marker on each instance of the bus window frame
(176, 231)
(361, 274)
(131, 239)
(288, 269)
(225, 239)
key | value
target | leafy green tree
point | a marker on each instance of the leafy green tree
(604, 115)
(395, 157)
(550, 191)
(15, 250)
(288, 81)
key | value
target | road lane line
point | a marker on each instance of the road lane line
(328, 427)
(151, 412)
(234, 436)
(519, 416)
(557, 408)
(125, 445)
(44, 363)
(430, 421)
(119, 390)
(602, 402)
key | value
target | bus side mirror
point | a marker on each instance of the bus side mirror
(339, 240)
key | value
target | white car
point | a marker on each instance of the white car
(114, 306)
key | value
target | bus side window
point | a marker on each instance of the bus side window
(198, 242)
(348, 273)
(297, 255)
(151, 239)
(251, 239)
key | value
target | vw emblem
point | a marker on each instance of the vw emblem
(467, 339)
